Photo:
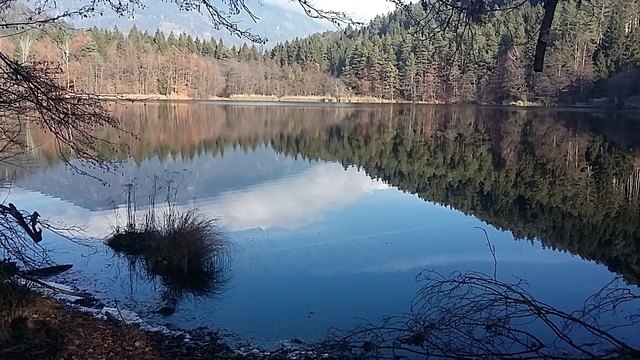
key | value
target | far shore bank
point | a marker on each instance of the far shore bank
(355, 100)
(249, 98)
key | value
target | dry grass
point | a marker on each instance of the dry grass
(251, 98)
(185, 250)
(311, 99)
(34, 327)
(151, 97)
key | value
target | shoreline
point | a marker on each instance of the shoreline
(249, 98)
(43, 324)
(355, 100)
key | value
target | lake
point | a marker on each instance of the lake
(331, 211)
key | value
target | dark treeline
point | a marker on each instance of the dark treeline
(594, 51)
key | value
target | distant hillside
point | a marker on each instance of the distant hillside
(275, 23)
(15, 11)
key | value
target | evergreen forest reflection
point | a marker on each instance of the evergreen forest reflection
(567, 178)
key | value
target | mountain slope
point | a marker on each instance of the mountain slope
(275, 23)
(17, 12)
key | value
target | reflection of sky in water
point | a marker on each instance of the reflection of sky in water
(315, 246)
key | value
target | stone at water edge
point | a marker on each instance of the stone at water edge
(168, 305)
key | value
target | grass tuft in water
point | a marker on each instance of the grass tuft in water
(184, 249)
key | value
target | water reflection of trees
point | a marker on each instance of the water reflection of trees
(569, 179)
(185, 130)
(540, 175)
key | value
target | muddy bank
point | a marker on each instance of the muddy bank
(34, 326)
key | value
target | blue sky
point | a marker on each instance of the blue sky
(358, 9)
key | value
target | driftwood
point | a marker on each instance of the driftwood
(55, 289)
(9, 269)
(46, 271)
(30, 228)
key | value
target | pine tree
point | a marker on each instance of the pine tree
(389, 75)
(160, 41)
(192, 46)
(172, 41)
(222, 51)
(610, 53)
(209, 48)
(255, 53)
(408, 79)
(374, 71)
(355, 69)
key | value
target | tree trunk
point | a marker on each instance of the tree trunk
(543, 37)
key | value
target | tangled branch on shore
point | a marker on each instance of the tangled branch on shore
(472, 315)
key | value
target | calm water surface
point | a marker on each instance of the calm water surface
(332, 211)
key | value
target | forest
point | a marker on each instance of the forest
(568, 180)
(110, 62)
(594, 52)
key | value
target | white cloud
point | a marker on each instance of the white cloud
(290, 203)
(294, 202)
(360, 10)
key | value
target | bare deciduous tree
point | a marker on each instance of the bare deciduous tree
(25, 47)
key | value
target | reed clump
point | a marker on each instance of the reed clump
(184, 249)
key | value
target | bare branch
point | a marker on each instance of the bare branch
(472, 315)
(34, 233)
